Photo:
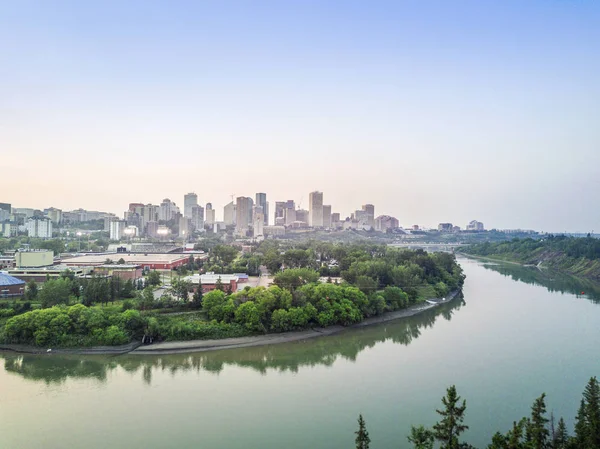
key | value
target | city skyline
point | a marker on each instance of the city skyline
(430, 110)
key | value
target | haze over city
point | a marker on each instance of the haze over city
(432, 111)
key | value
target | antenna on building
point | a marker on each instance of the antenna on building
(300, 202)
(232, 196)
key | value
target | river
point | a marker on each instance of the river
(515, 333)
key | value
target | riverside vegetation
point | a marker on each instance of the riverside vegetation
(573, 255)
(538, 431)
(375, 279)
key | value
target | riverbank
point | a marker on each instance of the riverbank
(172, 347)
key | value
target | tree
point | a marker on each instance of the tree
(121, 261)
(537, 429)
(181, 289)
(55, 291)
(147, 299)
(591, 396)
(219, 285)
(197, 297)
(153, 278)
(421, 437)
(560, 439)
(362, 436)
(31, 290)
(448, 430)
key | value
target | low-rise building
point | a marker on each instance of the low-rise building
(122, 271)
(445, 227)
(210, 281)
(34, 258)
(150, 261)
(11, 287)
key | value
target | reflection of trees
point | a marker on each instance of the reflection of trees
(554, 281)
(53, 369)
(281, 357)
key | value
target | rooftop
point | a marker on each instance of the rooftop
(130, 259)
(6, 279)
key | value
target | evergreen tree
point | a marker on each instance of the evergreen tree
(591, 396)
(421, 437)
(362, 436)
(580, 436)
(560, 439)
(451, 425)
(515, 436)
(537, 425)
(31, 291)
(219, 285)
(197, 298)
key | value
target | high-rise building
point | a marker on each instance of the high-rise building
(369, 211)
(209, 215)
(261, 200)
(258, 222)
(184, 226)
(243, 213)
(335, 220)
(55, 215)
(279, 209)
(302, 216)
(315, 209)
(197, 218)
(190, 200)
(475, 225)
(385, 222)
(167, 210)
(40, 227)
(151, 229)
(229, 214)
(117, 229)
(290, 216)
(327, 216)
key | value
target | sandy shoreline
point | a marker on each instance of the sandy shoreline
(171, 347)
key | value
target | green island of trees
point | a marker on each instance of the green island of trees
(373, 279)
(579, 256)
(537, 431)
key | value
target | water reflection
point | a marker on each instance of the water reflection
(288, 357)
(552, 280)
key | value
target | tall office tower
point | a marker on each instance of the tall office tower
(167, 210)
(209, 215)
(184, 226)
(151, 228)
(369, 210)
(243, 213)
(279, 209)
(327, 216)
(261, 200)
(117, 229)
(258, 222)
(190, 200)
(197, 218)
(315, 209)
(229, 214)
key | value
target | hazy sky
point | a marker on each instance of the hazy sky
(431, 110)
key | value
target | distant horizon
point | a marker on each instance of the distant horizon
(430, 110)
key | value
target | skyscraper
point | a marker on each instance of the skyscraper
(369, 210)
(190, 200)
(315, 209)
(197, 218)
(209, 215)
(261, 200)
(229, 214)
(243, 213)
(279, 209)
(327, 216)
(167, 210)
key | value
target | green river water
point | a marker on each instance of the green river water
(514, 334)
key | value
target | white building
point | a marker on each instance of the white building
(209, 215)
(259, 222)
(117, 229)
(39, 227)
(167, 210)
(327, 216)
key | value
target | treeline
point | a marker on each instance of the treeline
(524, 249)
(537, 431)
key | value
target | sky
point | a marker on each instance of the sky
(434, 111)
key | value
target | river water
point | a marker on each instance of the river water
(514, 334)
